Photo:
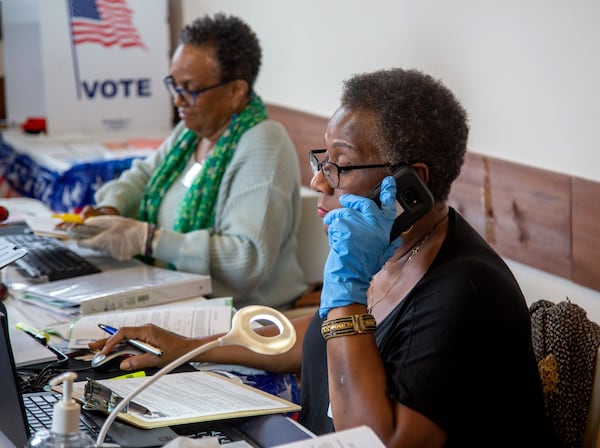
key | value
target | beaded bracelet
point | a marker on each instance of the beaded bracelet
(348, 325)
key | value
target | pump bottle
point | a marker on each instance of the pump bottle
(65, 431)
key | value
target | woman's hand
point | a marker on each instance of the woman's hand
(89, 211)
(172, 345)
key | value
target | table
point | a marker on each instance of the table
(64, 174)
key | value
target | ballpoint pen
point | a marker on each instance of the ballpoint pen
(134, 342)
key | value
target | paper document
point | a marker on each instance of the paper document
(46, 226)
(35, 214)
(22, 208)
(28, 351)
(191, 320)
(359, 437)
(9, 253)
(191, 397)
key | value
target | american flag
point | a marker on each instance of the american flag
(104, 22)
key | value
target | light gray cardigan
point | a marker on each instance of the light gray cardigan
(250, 253)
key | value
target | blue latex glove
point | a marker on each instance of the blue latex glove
(359, 245)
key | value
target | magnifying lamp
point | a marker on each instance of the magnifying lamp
(241, 333)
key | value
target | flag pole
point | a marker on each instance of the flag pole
(74, 50)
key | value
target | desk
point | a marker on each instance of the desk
(262, 431)
(192, 321)
(64, 174)
(281, 385)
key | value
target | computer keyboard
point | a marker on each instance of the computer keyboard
(47, 258)
(40, 408)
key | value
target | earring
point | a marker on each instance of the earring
(407, 231)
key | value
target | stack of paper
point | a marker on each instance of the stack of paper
(197, 318)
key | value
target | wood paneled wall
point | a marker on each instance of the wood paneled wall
(540, 218)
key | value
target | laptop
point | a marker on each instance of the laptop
(15, 428)
(13, 417)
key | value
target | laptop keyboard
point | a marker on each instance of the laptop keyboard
(39, 410)
(47, 258)
(221, 436)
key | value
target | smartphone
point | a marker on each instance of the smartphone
(413, 199)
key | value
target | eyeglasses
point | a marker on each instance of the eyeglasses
(331, 171)
(188, 95)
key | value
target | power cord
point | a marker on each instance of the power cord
(36, 380)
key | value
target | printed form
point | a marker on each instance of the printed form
(189, 397)
(197, 319)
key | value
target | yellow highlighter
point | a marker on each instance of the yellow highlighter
(42, 337)
(138, 374)
(69, 217)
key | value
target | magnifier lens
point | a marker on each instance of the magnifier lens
(242, 332)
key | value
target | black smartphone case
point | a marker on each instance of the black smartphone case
(413, 196)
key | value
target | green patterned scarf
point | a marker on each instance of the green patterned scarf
(197, 207)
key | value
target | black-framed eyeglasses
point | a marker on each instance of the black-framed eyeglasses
(331, 171)
(189, 96)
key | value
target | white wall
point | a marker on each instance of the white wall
(528, 73)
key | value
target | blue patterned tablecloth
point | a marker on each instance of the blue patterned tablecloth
(62, 192)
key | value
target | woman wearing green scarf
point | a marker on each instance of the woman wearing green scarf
(220, 196)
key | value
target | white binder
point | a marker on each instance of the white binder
(133, 287)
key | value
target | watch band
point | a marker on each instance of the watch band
(348, 325)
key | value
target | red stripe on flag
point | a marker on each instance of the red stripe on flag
(115, 26)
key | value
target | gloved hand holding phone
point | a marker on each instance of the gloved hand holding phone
(359, 245)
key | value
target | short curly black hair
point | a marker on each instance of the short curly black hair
(237, 48)
(418, 120)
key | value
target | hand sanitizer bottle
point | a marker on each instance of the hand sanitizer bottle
(65, 421)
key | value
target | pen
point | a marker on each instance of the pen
(134, 342)
(40, 336)
(68, 217)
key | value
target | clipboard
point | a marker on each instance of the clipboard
(191, 397)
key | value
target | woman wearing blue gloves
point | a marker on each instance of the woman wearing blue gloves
(425, 338)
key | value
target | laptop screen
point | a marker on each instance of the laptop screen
(12, 413)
